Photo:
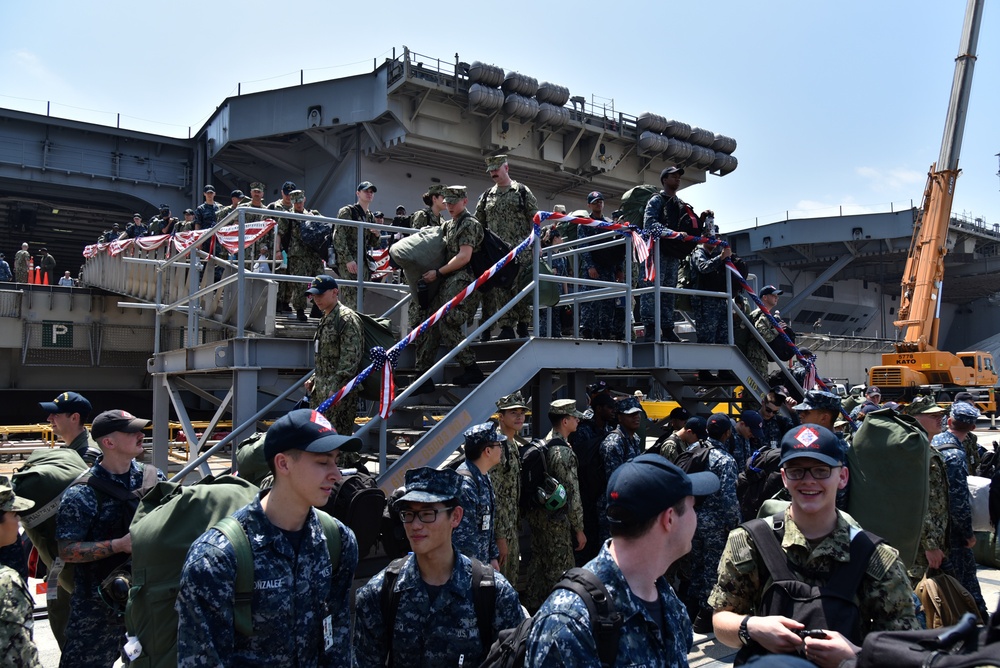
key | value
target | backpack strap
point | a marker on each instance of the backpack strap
(767, 543)
(484, 600)
(389, 602)
(605, 620)
(332, 532)
(243, 586)
(846, 579)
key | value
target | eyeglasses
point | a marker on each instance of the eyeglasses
(817, 472)
(426, 516)
(769, 410)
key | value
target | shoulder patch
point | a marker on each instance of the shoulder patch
(882, 560)
(742, 551)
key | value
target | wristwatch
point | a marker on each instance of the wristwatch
(744, 632)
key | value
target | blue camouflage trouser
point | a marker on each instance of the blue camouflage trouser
(598, 317)
(94, 635)
(647, 303)
(961, 565)
(712, 321)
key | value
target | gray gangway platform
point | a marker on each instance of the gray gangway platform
(254, 366)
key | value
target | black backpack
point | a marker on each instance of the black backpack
(784, 350)
(964, 645)
(830, 606)
(357, 501)
(484, 600)
(695, 458)
(316, 235)
(512, 644)
(490, 251)
(759, 481)
(537, 486)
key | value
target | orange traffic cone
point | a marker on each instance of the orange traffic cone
(31, 276)
(45, 278)
(38, 275)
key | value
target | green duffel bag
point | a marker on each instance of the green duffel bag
(418, 253)
(169, 519)
(889, 460)
(985, 549)
(250, 462)
(634, 201)
(377, 332)
(548, 291)
(44, 479)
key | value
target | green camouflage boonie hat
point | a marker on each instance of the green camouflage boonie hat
(565, 407)
(297, 196)
(10, 501)
(257, 185)
(453, 194)
(429, 485)
(923, 405)
(495, 162)
(436, 189)
(512, 401)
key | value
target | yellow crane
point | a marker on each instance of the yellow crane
(917, 366)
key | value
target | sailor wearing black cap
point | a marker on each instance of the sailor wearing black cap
(816, 541)
(67, 414)
(301, 604)
(652, 515)
(92, 533)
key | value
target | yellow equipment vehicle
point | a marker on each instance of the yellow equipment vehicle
(917, 366)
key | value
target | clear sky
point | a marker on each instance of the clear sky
(833, 104)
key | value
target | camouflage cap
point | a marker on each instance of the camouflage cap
(565, 407)
(963, 412)
(495, 162)
(453, 194)
(297, 196)
(515, 400)
(10, 501)
(819, 400)
(923, 405)
(628, 406)
(257, 185)
(428, 485)
(436, 189)
(482, 434)
(559, 208)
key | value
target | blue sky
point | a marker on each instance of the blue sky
(833, 104)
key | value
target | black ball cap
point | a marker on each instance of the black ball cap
(307, 430)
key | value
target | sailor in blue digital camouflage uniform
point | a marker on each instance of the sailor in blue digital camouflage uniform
(960, 562)
(651, 508)
(92, 533)
(435, 620)
(621, 445)
(718, 514)
(301, 603)
(476, 534)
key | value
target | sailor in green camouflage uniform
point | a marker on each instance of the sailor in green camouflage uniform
(553, 532)
(339, 345)
(302, 260)
(508, 209)
(430, 216)
(17, 646)
(345, 242)
(755, 354)
(463, 235)
(934, 536)
(286, 290)
(506, 479)
(163, 223)
(817, 538)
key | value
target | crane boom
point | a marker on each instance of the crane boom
(919, 310)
